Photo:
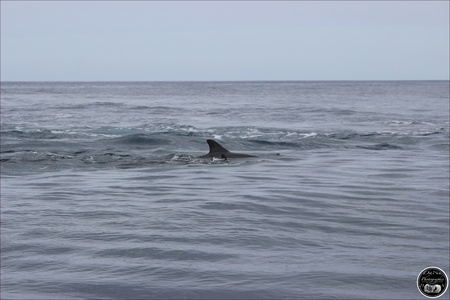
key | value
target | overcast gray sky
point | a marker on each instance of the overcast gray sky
(295, 40)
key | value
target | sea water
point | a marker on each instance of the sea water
(103, 195)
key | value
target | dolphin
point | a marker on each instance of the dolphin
(217, 151)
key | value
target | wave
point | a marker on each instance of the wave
(29, 134)
(171, 143)
(226, 132)
(382, 146)
(266, 136)
(154, 109)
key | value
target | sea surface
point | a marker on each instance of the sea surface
(103, 195)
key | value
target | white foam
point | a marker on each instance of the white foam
(307, 135)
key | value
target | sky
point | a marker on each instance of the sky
(224, 40)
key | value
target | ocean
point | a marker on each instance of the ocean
(103, 195)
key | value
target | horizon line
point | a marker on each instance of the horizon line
(250, 80)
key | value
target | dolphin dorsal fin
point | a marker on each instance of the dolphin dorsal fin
(215, 147)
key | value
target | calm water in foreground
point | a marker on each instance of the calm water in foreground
(103, 196)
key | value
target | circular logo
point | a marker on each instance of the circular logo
(432, 282)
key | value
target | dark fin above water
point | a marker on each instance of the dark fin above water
(217, 151)
(215, 147)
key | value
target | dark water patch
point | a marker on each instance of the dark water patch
(142, 139)
(7, 152)
(80, 152)
(158, 109)
(89, 105)
(382, 146)
(36, 156)
(86, 159)
(104, 104)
